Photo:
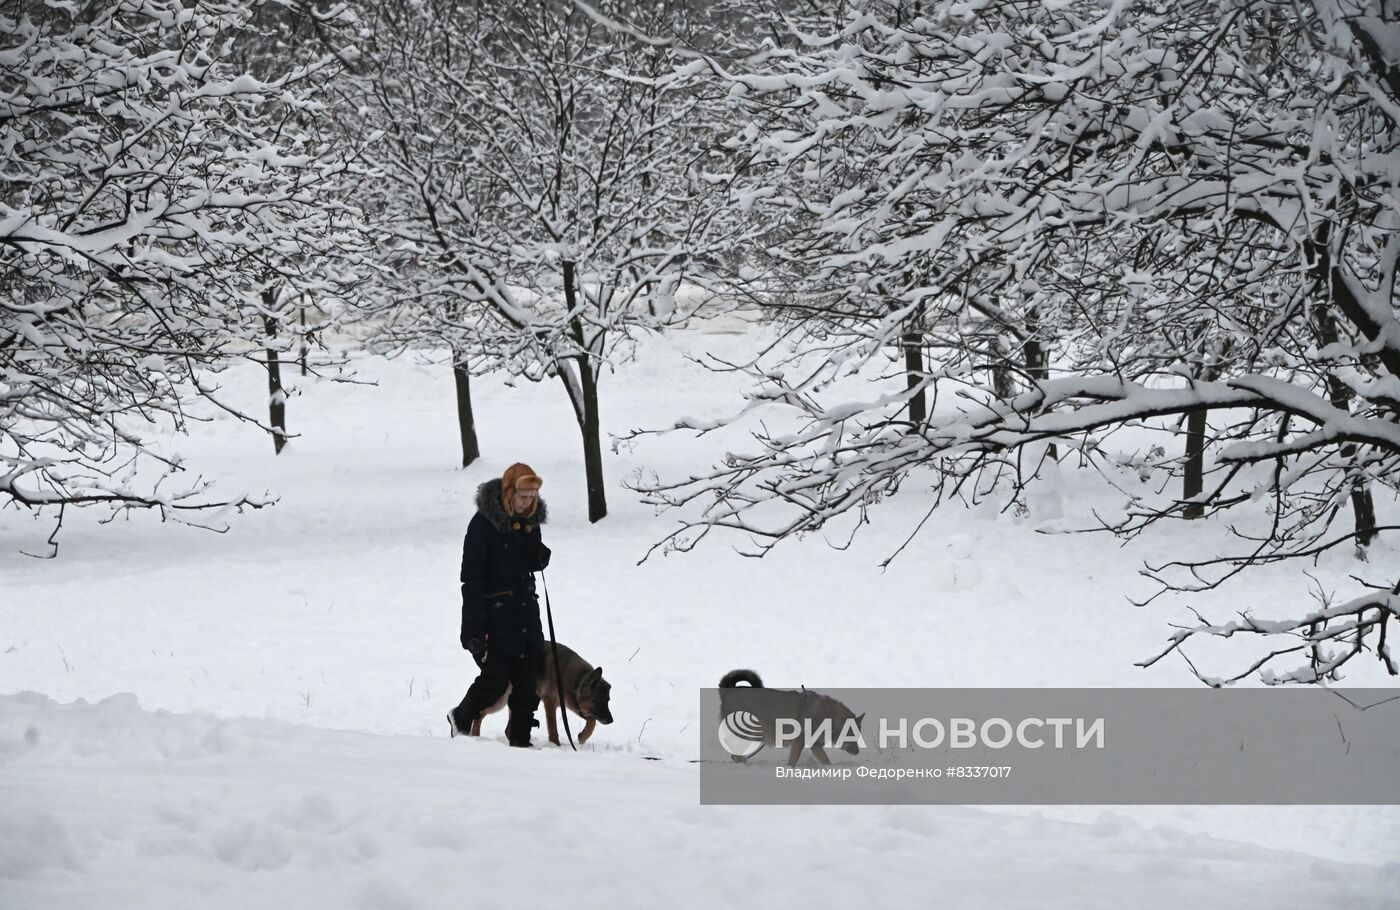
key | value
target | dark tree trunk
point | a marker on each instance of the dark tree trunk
(1036, 360)
(304, 345)
(913, 343)
(1363, 507)
(592, 444)
(1003, 383)
(466, 422)
(585, 400)
(276, 395)
(1194, 481)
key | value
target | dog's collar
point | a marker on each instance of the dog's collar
(578, 703)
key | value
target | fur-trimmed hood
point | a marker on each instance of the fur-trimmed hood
(488, 503)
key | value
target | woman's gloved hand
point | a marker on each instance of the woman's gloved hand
(474, 640)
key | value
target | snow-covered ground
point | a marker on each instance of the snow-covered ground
(282, 733)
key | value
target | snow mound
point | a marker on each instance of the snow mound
(112, 805)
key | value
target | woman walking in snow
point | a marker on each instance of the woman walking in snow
(500, 611)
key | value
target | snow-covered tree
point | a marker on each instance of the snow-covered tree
(151, 193)
(552, 188)
(1193, 203)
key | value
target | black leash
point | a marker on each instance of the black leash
(558, 674)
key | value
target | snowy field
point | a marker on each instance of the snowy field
(191, 719)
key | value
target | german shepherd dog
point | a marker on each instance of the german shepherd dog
(586, 693)
(762, 708)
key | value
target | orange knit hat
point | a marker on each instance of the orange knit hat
(519, 476)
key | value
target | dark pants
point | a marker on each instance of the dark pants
(520, 672)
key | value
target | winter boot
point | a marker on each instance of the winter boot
(518, 735)
(458, 729)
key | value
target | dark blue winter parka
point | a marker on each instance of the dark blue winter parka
(498, 590)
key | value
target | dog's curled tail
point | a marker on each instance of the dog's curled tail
(734, 677)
